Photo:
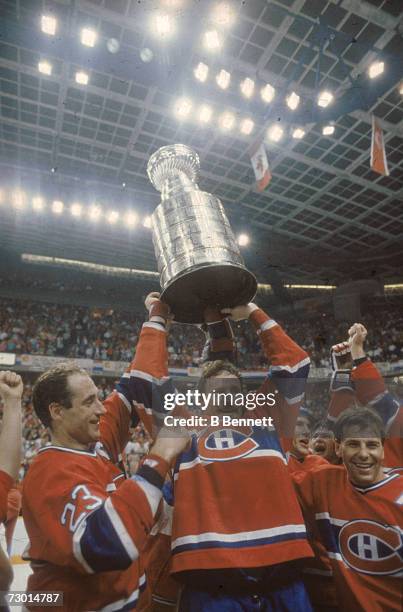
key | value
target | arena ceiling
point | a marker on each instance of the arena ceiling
(325, 217)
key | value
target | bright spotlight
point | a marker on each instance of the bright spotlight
(112, 216)
(131, 219)
(147, 222)
(223, 79)
(227, 121)
(82, 77)
(44, 67)
(212, 40)
(88, 37)
(182, 107)
(163, 25)
(76, 209)
(38, 204)
(243, 239)
(57, 207)
(205, 113)
(94, 212)
(247, 87)
(201, 72)
(328, 130)
(223, 15)
(19, 199)
(48, 25)
(267, 93)
(247, 126)
(275, 133)
(401, 89)
(324, 98)
(293, 100)
(298, 133)
(376, 69)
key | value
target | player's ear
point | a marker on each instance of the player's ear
(55, 411)
(337, 448)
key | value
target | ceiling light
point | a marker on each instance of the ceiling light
(19, 199)
(163, 25)
(112, 216)
(293, 100)
(201, 72)
(147, 222)
(223, 14)
(243, 239)
(205, 113)
(247, 126)
(212, 40)
(328, 130)
(324, 98)
(376, 69)
(38, 203)
(298, 133)
(131, 219)
(48, 25)
(227, 121)
(182, 107)
(94, 212)
(44, 67)
(223, 79)
(267, 93)
(82, 77)
(88, 37)
(247, 87)
(57, 207)
(401, 89)
(76, 209)
(275, 133)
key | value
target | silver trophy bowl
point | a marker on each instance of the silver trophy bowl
(197, 255)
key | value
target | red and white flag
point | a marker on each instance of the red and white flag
(379, 163)
(261, 167)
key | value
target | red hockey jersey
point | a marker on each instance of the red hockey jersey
(6, 482)
(234, 506)
(86, 523)
(361, 530)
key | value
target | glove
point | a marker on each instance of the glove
(341, 376)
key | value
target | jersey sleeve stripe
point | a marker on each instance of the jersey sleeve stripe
(121, 530)
(152, 493)
(268, 324)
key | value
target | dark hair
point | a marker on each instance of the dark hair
(212, 368)
(52, 386)
(364, 418)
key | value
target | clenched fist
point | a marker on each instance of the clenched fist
(357, 335)
(11, 386)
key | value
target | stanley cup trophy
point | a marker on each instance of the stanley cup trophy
(198, 258)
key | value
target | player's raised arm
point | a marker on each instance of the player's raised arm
(146, 382)
(288, 365)
(10, 438)
(132, 399)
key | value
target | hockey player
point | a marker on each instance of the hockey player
(237, 529)
(10, 454)
(362, 383)
(86, 523)
(354, 514)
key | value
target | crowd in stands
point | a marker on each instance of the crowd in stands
(41, 328)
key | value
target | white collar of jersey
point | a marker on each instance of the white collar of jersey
(376, 485)
(68, 450)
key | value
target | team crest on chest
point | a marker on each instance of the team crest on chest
(371, 548)
(226, 444)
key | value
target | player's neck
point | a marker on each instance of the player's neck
(66, 441)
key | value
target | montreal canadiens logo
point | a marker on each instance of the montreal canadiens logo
(371, 548)
(226, 444)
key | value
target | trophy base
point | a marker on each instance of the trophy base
(222, 285)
